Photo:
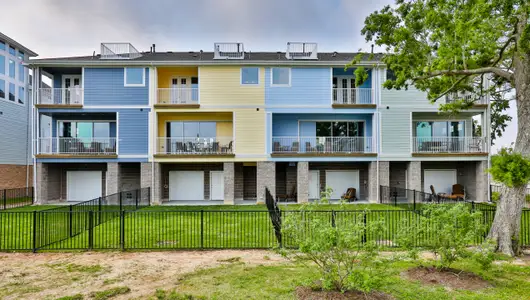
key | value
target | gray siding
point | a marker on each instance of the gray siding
(15, 133)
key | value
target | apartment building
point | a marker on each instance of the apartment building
(15, 112)
(221, 126)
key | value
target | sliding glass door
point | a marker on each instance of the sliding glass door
(440, 136)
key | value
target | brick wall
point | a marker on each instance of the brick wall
(238, 181)
(14, 176)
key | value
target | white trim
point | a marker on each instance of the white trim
(199, 85)
(331, 86)
(241, 76)
(104, 63)
(115, 107)
(133, 84)
(280, 85)
(72, 77)
(234, 143)
(133, 156)
(118, 133)
(83, 85)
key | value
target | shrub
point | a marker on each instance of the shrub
(447, 231)
(484, 254)
(335, 242)
(510, 168)
(495, 196)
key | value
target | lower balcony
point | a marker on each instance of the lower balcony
(323, 146)
(449, 146)
(76, 147)
(195, 146)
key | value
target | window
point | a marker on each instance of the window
(20, 55)
(21, 95)
(2, 64)
(86, 129)
(192, 129)
(440, 129)
(134, 77)
(339, 129)
(281, 76)
(12, 51)
(390, 75)
(2, 89)
(21, 73)
(11, 68)
(249, 75)
(12, 91)
(2, 46)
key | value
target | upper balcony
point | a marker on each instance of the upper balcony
(178, 87)
(229, 51)
(479, 102)
(346, 94)
(322, 146)
(60, 88)
(60, 97)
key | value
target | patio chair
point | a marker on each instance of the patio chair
(441, 196)
(308, 147)
(276, 147)
(295, 147)
(350, 195)
(458, 191)
(227, 149)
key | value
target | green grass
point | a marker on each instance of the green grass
(107, 294)
(238, 281)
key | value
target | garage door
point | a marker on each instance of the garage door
(442, 180)
(186, 185)
(83, 185)
(340, 181)
(217, 185)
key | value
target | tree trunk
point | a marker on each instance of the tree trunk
(507, 223)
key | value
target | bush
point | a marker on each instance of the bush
(495, 196)
(335, 242)
(484, 255)
(527, 197)
(447, 230)
(510, 168)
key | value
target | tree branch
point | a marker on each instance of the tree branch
(451, 88)
(501, 53)
(497, 71)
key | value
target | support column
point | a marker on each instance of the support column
(42, 183)
(266, 178)
(229, 172)
(302, 182)
(414, 178)
(373, 183)
(482, 187)
(146, 177)
(156, 190)
(113, 178)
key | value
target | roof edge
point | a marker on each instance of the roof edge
(18, 45)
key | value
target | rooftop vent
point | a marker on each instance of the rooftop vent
(298, 50)
(119, 51)
(229, 51)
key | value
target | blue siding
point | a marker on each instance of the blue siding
(309, 86)
(58, 78)
(287, 124)
(105, 86)
(133, 131)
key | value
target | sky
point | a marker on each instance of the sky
(55, 28)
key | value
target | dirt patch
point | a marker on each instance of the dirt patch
(449, 278)
(54, 275)
(306, 293)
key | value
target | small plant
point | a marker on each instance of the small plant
(338, 246)
(235, 259)
(484, 255)
(107, 294)
(449, 230)
(173, 295)
(74, 297)
(495, 196)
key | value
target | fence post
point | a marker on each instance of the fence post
(491, 191)
(414, 198)
(5, 199)
(32, 192)
(90, 230)
(119, 196)
(395, 196)
(122, 229)
(34, 240)
(473, 205)
(70, 220)
(202, 229)
(99, 210)
(136, 201)
(364, 228)
(333, 218)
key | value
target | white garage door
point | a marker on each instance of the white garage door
(186, 185)
(442, 180)
(83, 185)
(340, 181)
(314, 184)
(217, 185)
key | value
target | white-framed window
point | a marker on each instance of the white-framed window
(134, 77)
(21, 95)
(12, 92)
(281, 77)
(2, 46)
(2, 89)
(12, 50)
(12, 68)
(250, 75)
(2, 64)
(21, 72)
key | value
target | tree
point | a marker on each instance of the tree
(477, 47)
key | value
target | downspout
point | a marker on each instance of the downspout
(36, 86)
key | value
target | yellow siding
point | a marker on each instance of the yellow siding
(250, 131)
(166, 73)
(224, 129)
(221, 85)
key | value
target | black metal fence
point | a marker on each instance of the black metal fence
(411, 199)
(12, 198)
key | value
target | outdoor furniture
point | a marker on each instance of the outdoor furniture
(350, 195)
(295, 147)
(308, 147)
(276, 147)
(289, 196)
(451, 196)
(227, 149)
(458, 191)
(476, 145)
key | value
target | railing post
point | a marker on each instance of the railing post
(120, 196)
(365, 222)
(90, 230)
(122, 230)
(202, 229)
(99, 210)
(333, 218)
(414, 198)
(136, 200)
(70, 220)
(34, 240)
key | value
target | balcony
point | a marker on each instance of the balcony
(119, 51)
(229, 51)
(178, 97)
(449, 146)
(482, 101)
(353, 98)
(323, 146)
(301, 50)
(195, 146)
(60, 97)
(76, 147)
